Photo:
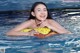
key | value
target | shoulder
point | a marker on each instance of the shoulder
(51, 20)
(29, 21)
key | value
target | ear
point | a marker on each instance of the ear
(33, 13)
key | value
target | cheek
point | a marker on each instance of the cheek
(37, 14)
(46, 14)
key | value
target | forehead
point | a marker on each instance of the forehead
(40, 6)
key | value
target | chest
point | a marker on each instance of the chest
(34, 25)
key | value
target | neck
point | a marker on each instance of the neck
(38, 22)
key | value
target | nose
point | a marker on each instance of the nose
(42, 13)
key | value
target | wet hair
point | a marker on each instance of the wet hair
(33, 7)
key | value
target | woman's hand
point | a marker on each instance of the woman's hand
(45, 23)
(31, 33)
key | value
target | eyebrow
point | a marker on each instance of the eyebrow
(43, 8)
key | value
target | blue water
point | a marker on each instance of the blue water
(6, 5)
(61, 43)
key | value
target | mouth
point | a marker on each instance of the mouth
(42, 16)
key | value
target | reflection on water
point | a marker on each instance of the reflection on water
(62, 43)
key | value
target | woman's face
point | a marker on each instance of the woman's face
(40, 12)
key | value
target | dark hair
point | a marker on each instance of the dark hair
(33, 7)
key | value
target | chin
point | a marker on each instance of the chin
(42, 19)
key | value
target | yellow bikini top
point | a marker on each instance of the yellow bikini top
(42, 30)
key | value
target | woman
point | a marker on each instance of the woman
(39, 17)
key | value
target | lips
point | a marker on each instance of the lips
(42, 16)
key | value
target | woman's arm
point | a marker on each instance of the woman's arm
(58, 28)
(16, 31)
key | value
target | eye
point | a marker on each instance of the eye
(39, 10)
(45, 9)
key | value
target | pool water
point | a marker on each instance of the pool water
(61, 43)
